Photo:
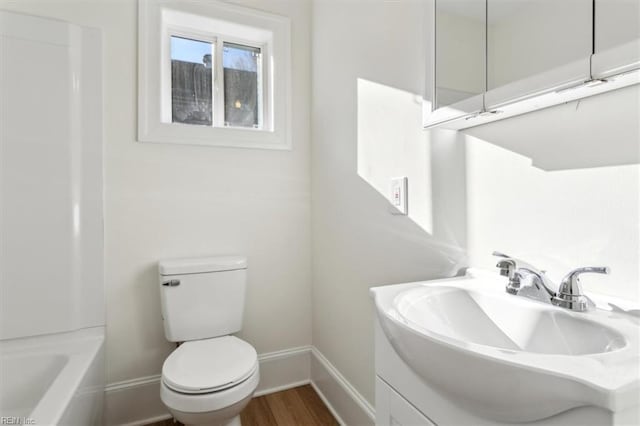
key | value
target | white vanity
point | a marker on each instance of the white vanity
(463, 351)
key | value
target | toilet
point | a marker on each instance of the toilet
(212, 375)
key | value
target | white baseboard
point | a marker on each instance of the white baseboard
(284, 370)
(137, 402)
(134, 402)
(346, 404)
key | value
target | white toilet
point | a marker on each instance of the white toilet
(210, 377)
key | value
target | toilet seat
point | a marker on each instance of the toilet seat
(209, 402)
(209, 365)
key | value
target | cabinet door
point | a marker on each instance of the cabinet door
(459, 51)
(535, 46)
(616, 37)
(617, 22)
(393, 410)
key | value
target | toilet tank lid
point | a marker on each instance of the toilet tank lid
(202, 265)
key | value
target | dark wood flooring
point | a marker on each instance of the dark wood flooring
(299, 406)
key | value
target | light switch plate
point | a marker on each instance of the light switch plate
(398, 196)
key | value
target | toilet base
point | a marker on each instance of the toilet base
(228, 416)
(233, 422)
(211, 409)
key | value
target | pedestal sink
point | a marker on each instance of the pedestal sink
(507, 358)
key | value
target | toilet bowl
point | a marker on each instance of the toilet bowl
(212, 375)
(210, 381)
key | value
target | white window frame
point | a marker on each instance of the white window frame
(214, 22)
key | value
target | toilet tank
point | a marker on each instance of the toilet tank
(202, 298)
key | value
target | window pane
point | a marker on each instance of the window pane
(191, 71)
(241, 85)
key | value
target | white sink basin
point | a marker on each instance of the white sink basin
(507, 358)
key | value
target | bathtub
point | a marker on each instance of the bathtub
(54, 379)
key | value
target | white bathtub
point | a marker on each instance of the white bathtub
(54, 379)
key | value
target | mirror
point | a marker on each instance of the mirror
(459, 50)
(617, 23)
(494, 59)
(526, 38)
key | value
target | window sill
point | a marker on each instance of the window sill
(232, 137)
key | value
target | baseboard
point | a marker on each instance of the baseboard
(137, 402)
(284, 370)
(346, 404)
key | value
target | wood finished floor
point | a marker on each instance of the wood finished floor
(299, 406)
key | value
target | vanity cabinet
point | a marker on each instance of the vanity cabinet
(393, 410)
(493, 59)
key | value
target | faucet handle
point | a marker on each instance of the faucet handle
(499, 254)
(507, 265)
(570, 284)
(570, 293)
(508, 268)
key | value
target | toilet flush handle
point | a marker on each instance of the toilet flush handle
(171, 283)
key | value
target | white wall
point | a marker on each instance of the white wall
(368, 64)
(165, 201)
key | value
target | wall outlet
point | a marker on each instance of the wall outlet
(399, 192)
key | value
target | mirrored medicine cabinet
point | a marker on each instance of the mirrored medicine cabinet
(493, 59)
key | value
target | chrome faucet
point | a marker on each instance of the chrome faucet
(570, 293)
(528, 281)
(525, 279)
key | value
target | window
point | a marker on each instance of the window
(242, 85)
(194, 84)
(191, 81)
(213, 74)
